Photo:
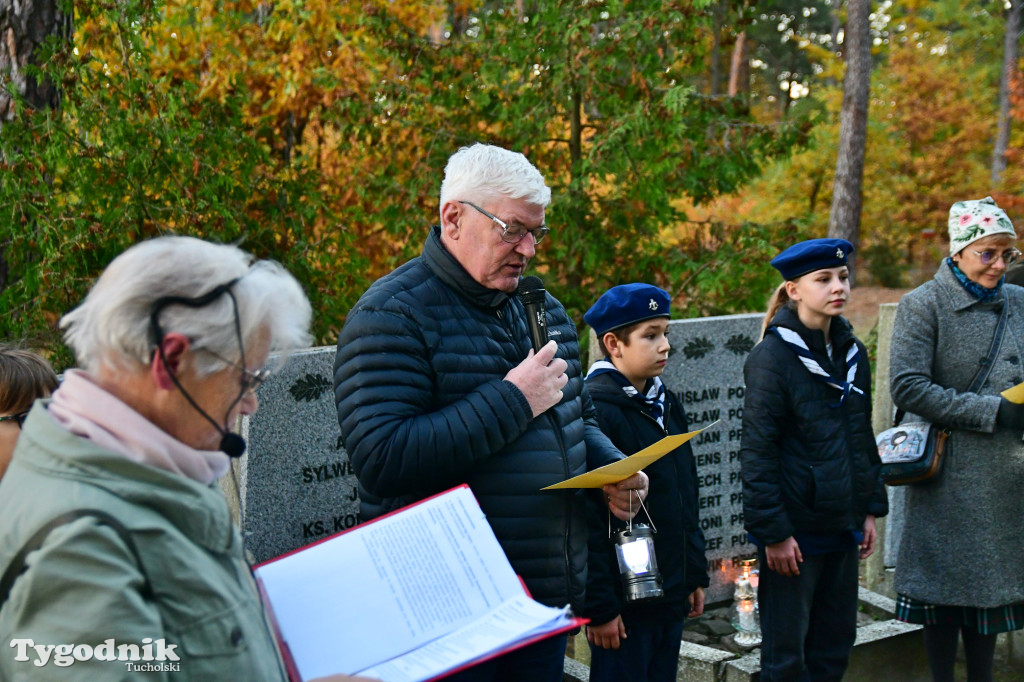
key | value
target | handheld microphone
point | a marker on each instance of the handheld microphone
(531, 293)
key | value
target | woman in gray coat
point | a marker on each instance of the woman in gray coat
(958, 572)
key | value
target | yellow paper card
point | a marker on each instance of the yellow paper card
(1015, 394)
(624, 468)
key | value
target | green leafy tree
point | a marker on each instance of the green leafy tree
(132, 153)
(603, 98)
(845, 216)
(932, 119)
(315, 133)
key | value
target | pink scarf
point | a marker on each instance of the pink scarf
(86, 410)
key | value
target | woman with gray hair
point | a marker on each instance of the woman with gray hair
(119, 555)
(956, 572)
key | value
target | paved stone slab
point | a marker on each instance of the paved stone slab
(879, 606)
(889, 650)
(700, 663)
(744, 669)
(574, 671)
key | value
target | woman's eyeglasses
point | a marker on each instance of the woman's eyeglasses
(989, 256)
(18, 418)
(250, 380)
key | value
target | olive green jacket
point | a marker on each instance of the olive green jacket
(84, 585)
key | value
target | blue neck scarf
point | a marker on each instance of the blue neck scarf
(803, 353)
(653, 403)
(979, 292)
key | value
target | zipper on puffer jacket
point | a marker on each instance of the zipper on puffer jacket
(550, 413)
(568, 505)
(679, 490)
(499, 313)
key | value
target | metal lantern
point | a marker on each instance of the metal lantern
(744, 611)
(638, 565)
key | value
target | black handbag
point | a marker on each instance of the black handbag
(915, 452)
(912, 453)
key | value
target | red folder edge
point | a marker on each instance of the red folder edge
(290, 668)
(575, 623)
(286, 653)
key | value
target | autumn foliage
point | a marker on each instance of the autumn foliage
(315, 133)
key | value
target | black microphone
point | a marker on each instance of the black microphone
(531, 293)
(231, 444)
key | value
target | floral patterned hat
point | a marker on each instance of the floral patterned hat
(970, 221)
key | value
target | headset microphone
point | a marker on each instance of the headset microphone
(231, 444)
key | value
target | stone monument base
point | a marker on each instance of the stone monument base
(886, 644)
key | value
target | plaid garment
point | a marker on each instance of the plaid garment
(987, 621)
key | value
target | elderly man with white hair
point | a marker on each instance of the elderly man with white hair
(437, 384)
(119, 555)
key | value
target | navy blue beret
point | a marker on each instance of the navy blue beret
(627, 304)
(811, 255)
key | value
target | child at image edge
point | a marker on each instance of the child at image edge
(809, 464)
(640, 641)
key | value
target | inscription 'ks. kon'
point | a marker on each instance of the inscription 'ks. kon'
(315, 529)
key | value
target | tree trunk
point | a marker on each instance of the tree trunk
(844, 217)
(24, 25)
(1010, 42)
(739, 70)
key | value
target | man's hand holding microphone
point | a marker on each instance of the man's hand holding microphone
(541, 378)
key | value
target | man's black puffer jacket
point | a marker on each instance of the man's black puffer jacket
(807, 466)
(672, 503)
(423, 406)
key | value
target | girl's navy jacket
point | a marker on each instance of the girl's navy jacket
(809, 464)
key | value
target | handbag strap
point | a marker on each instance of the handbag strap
(986, 364)
(17, 565)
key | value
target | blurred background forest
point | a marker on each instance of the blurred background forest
(685, 142)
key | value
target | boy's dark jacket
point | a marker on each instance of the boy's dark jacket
(672, 503)
(807, 467)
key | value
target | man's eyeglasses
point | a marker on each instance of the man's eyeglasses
(19, 418)
(989, 256)
(250, 380)
(513, 234)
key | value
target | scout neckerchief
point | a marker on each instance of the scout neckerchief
(797, 345)
(653, 403)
